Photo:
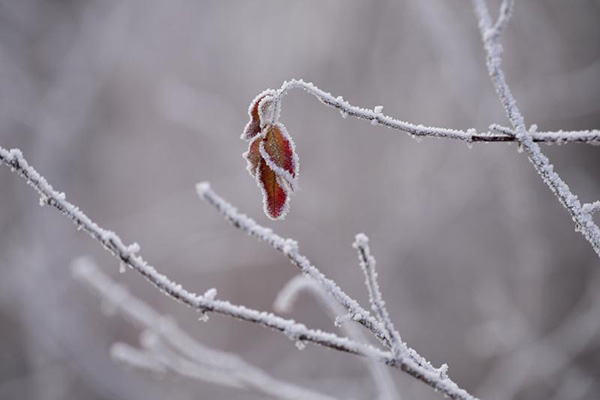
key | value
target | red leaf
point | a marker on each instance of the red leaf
(253, 126)
(252, 156)
(275, 192)
(279, 153)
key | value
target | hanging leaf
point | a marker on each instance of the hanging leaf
(253, 156)
(275, 192)
(253, 127)
(278, 150)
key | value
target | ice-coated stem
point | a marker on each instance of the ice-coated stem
(470, 135)
(582, 218)
(298, 332)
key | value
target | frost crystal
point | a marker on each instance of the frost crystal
(203, 317)
(210, 294)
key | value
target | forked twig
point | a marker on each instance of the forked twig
(295, 331)
(490, 36)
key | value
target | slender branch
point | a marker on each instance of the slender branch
(470, 135)
(127, 254)
(557, 348)
(284, 303)
(289, 247)
(558, 137)
(367, 264)
(591, 208)
(506, 10)
(188, 357)
(583, 219)
(139, 359)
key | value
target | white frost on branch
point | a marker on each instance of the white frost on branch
(583, 219)
(113, 243)
(558, 137)
(289, 247)
(591, 208)
(284, 302)
(168, 347)
(367, 264)
(417, 130)
(132, 357)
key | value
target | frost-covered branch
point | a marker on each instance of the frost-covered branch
(582, 218)
(367, 264)
(295, 331)
(289, 247)
(129, 257)
(547, 355)
(168, 347)
(591, 208)
(506, 10)
(376, 117)
(558, 137)
(136, 358)
(284, 303)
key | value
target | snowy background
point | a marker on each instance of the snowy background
(125, 105)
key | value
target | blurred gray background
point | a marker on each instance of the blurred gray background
(125, 105)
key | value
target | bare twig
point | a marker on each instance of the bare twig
(552, 352)
(289, 247)
(128, 255)
(188, 357)
(583, 219)
(558, 137)
(506, 10)
(591, 208)
(367, 264)
(470, 135)
(287, 297)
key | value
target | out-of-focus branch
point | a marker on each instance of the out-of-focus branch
(128, 256)
(168, 347)
(470, 135)
(290, 249)
(506, 10)
(298, 332)
(547, 355)
(582, 218)
(285, 301)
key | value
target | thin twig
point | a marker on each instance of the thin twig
(289, 247)
(285, 301)
(506, 10)
(591, 208)
(128, 255)
(188, 357)
(470, 135)
(583, 220)
(558, 137)
(367, 264)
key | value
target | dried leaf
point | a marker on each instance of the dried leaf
(275, 192)
(278, 150)
(253, 127)
(253, 156)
